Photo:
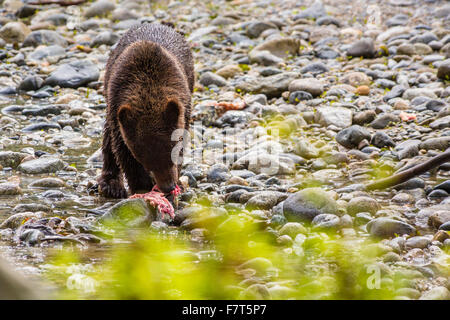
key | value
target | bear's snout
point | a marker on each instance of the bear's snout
(166, 180)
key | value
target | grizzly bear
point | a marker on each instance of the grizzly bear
(149, 80)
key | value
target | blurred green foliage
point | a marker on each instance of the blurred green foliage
(229, 263)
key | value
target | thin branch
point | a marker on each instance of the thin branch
(410, 173)
(63, 3)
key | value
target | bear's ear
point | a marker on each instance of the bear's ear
(124, 115)
(173, 115)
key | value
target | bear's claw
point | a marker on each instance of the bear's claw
(111, 188)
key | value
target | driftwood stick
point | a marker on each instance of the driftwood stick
(63, 3)
(411, 172)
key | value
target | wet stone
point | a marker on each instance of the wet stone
(326, 221)
(337, 116)
(315, 68)
(14, 32)
(218, 173)
(443, 186)
(385, 228)
(297, 96)
(32, 207)
(396, 91)
(407, 149)
(129, 212)
(74, 74)
(437, 293)
(384, 120)
(209, 78)
(31, 83)
(292, 229)
(53, 194)
(105, 37)
(362, 48)
(364, 117)
(41, 165)
(265, 200)
(271, 86)
(352, 136)
(315, 11)
(9, 188)
(381, 140)
(417, 242)
(50, 52)
(362, 218)
(11, 159)
(438, 194)
(414, 183)
(362, 204)
(441, 123)
(99, 8)
(41, 126)
(308, 203)
(44, 37)
(256, 28)
(16, 220)
(312, 86)
(42, 111)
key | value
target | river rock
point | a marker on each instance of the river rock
(11, 159)
(279, 47)
(387, 228)
(362, 48)
(10, 188)
(308, 203)
(352, 136)
(74, 74)
(315, 11)
(47, 183)
(337, 116)
(14, 32)
(312, 86)
(30, 83)
(99, 8)
(292, 229)
(362, 204)
(105, 37)
(42, 165)
(444, 70)
(265, 200)
(52, 53)
(326, 221)
(384, 120)
(16, 220)
(129, 212)
(437, 293)
(209, 78)
(254, 29)
(271, 86)
(356, 79)
(44, 37)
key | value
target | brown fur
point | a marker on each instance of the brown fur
(148, 84)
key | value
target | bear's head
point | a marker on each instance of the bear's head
(147, 132)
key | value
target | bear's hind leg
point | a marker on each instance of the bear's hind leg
(110, 181)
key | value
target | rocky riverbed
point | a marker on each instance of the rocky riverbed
(297, 105)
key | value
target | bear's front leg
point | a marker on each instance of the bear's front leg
(110, 182)
(138, 179)
(110, 187)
